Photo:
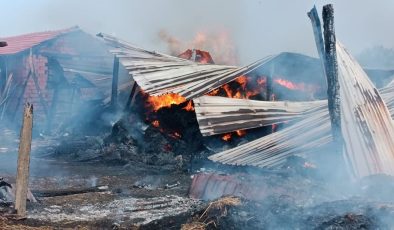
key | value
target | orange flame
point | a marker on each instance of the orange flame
(242, 81)
(241, 133)
(226, 137)
(166, 100)
(296, 86)
(189, 106)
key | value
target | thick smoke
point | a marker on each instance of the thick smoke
(219, 44)
(257, 27)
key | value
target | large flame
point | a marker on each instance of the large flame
(241, 93)
(166, 100)
(296, 86)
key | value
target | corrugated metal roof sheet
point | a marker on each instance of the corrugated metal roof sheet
(20, 43)
(272, 150)
(158, 73)
(216, 115)
(368, 129)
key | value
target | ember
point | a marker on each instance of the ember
(156, 123)
(241, 132)
(226, 137)
(189, 106)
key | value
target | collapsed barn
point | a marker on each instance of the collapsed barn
(168, 134)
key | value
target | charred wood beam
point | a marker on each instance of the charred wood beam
(115, 75)
(317, 32)
(67, 192)
(131, 97)
(22, 177)
(331, 68)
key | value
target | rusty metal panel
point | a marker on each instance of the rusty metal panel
(158, 73)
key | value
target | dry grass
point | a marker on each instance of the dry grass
(193, 226)
(219, 207)
(215, 210)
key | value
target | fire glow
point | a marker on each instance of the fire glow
(228, 136)
(241, 93)
(158, 102)
(296, 86)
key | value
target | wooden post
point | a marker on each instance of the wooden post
(313, 15)
(331, 68)
(22, 177)
(131, 97)
(115, 73)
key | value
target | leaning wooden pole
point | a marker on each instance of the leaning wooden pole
(331, 68)
(22, 177)
(114, 93)
(317, 32)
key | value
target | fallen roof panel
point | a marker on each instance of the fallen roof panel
(367, 126)
(158, 73)
(218, 115)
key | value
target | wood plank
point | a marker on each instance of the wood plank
(22, 177)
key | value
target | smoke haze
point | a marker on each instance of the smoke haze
(257, 27)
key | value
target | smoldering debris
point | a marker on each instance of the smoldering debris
(125, 136)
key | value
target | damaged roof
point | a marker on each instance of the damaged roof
(159, 74)
(21, 43)
(369, 136)
(217, 115)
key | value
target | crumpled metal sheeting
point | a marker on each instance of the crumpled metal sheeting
(272, 150)
(159, 74)
(367, 126)
(217, 115)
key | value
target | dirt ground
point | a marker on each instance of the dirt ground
(82, 185)
(133, 194)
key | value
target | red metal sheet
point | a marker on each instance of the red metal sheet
(20, 43)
